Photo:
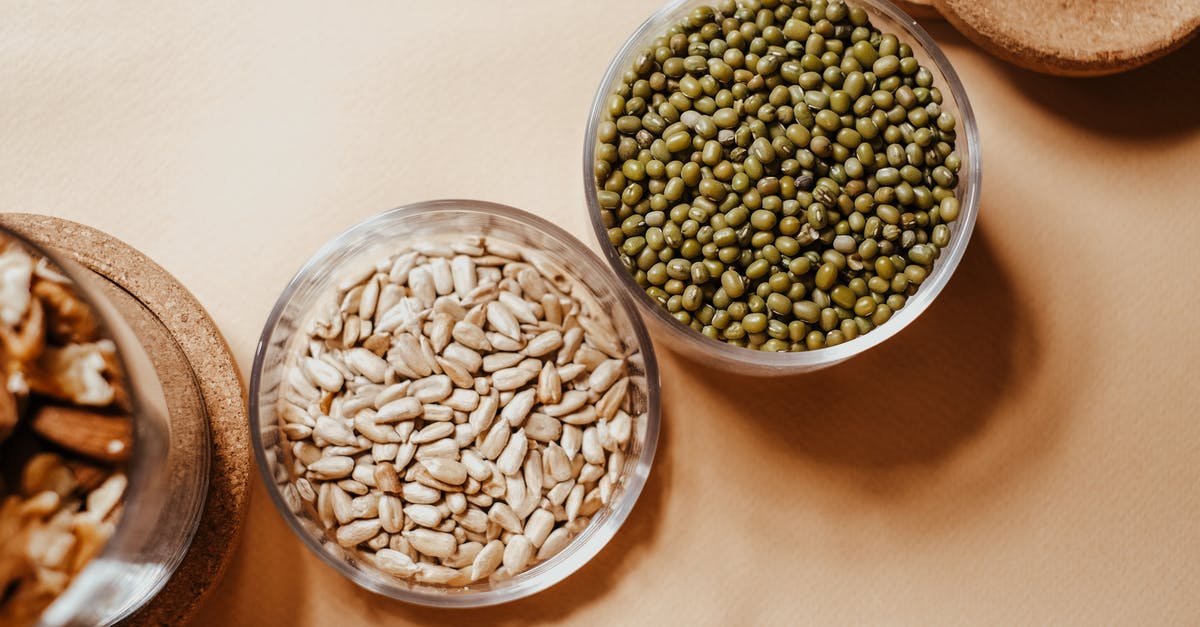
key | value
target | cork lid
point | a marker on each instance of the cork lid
(1075, 37)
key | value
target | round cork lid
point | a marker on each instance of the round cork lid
(178, 335)
(1075, 37)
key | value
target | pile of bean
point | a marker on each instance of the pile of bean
(778, 174)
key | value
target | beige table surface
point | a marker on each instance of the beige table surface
(1027, 452)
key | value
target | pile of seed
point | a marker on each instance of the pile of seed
(778, 174)
(462, 413)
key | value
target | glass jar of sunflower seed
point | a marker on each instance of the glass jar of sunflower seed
(781, 184)
(454, 404)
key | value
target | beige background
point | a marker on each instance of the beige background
(1027, 452)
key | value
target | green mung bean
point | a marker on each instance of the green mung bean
(779, 177)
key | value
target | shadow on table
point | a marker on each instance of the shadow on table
(589, 584)
(915, 399)
(1156, 101)
(265, 539)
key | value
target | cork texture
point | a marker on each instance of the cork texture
(190, 331)
(1075, 37)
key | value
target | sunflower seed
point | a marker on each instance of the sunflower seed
(510, 460)
(542, 428)
(515, 412)
(512, 378)
(322, 374)
(422, 494)
(502, 514)
(408, 349)
(544, 344)
(332, 467)
(488, 560)
(521, 309)
(424, 515)
(517, 553)
(571, 401)
(366, 363)
(572, 340)
(539, 526)
(549, 387)
(559, 492)
(495, 441)
(584, 416)
(572, 438)
(445, 447)
(432, 433)
(503, 342)
(357, 532)
(446, 470)
(502, 320)
(499, 361)
(470, 335)
(432, 543)
(437, 413)
(508, 468)
(443, 276)
(570, 372)
(458, 374)
(559, 464)
(395, 563)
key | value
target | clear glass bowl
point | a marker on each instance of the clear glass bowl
(167, 470)
(714, 353)
(386, 235)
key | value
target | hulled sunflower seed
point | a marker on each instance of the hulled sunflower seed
(466, 357)
(424, 515)
(517, 553)
(544, 344)
(557, 461)
(431, 389)
(502, 320)
(571, 401)
(322, 374)
(517, 409)
(512, 378)
(432, 433)
(499, 374)
(488, 560)
(432, 543)
(542, 428)
(395, 563)
(357, 532)
(549, 386)
(510, 460)
(446, 470)
(502, 514)
(555, 542)
(332, 467)
(366, 363)
(499, 361)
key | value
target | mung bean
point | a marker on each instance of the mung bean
(782, 178)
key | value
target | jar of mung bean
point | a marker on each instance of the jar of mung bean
(777, 175)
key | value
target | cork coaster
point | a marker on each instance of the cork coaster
(920, 9)
(1075, 37)
(176, 332)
